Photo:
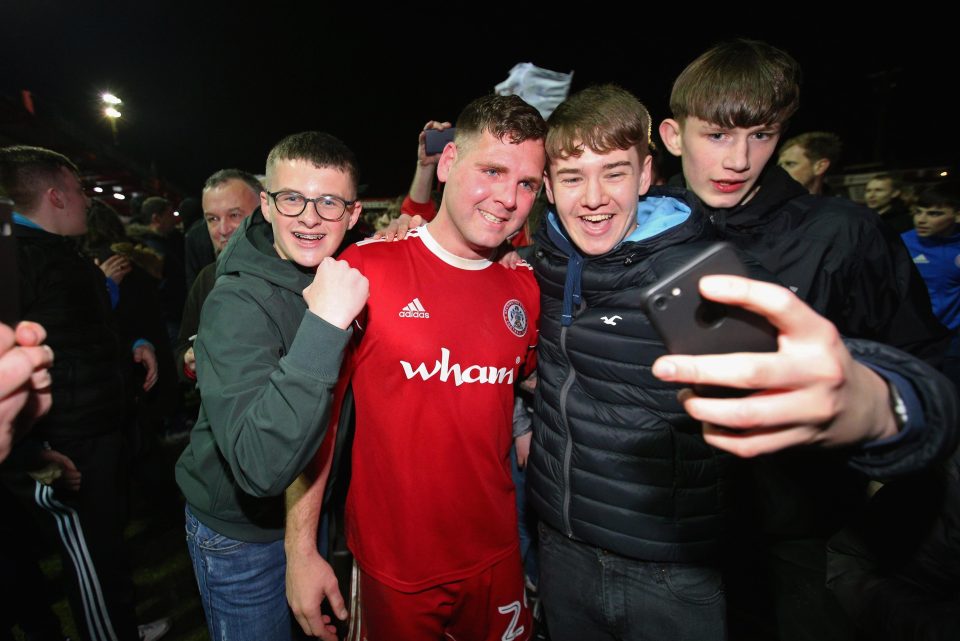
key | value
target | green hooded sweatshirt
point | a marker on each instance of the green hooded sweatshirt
(267, 368)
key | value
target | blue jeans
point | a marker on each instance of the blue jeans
(592, 594)
(242, 585)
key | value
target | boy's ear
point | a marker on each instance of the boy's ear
(646, 174)
(355, 215)
(548, 185)
(265, 206)
(670, 133)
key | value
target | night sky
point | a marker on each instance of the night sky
(210, 88)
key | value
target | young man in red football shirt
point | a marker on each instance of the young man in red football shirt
(431, 516)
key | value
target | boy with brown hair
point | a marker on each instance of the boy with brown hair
(631, 498)
(730, 107)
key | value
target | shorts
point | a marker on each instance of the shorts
(489, 606)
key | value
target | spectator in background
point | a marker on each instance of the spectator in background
(808, 157)
(419, 200)
(882, 194)
(66, 293)
(934, 244)
(229, 196)
(133, 274)
(158, 213)
(226, 201)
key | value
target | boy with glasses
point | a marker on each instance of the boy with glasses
(272, 335)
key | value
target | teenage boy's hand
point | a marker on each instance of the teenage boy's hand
(338, 292)
(810, 391)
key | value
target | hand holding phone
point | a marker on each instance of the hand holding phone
(692, 324)
(809, 392)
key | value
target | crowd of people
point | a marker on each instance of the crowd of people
(519, 453)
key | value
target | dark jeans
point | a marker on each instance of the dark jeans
(589, 593)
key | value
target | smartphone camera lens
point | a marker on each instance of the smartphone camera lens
(710, 314)
(660, 303)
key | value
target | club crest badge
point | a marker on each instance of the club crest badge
(515, 317)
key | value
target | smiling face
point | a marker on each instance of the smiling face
(491, 186)
(307, 239)
(224, 208)
(596, 196)
(934, 221)
(721, 165)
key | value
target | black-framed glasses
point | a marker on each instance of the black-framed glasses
(292, 203)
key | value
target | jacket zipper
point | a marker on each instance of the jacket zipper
(568, 446)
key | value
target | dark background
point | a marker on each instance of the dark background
(212, 87)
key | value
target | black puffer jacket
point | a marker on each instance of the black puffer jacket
(616, 462)
(67, 294)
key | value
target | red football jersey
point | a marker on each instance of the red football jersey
(443, 341)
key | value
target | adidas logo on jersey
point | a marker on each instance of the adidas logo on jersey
(460, 374)
(414, 309)
(920, 259)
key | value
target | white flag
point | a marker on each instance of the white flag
(541, 88)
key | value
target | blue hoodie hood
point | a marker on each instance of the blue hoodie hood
(655, 215)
